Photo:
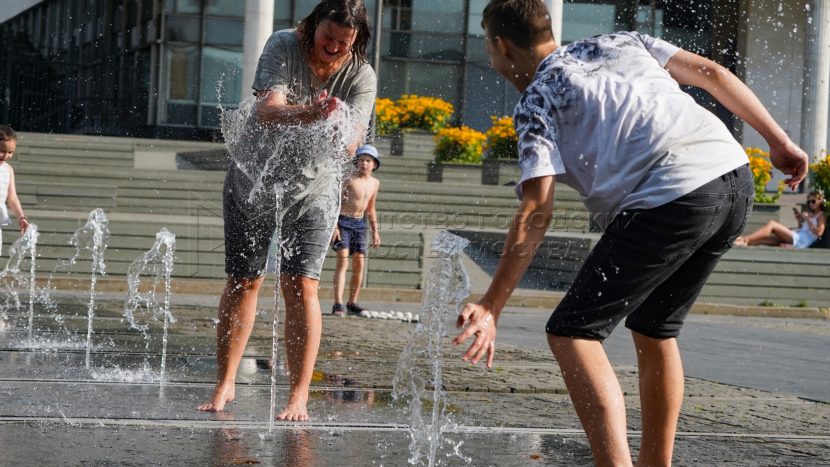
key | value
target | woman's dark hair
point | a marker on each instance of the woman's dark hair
(525, 22)
(345, 13)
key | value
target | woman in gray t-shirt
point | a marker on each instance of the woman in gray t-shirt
(303, 78)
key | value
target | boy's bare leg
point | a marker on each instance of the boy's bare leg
(237, 312)
(358, 261)
(771, 233)
(596, 395)
(661, 394)
(340, 274)
(303, 326)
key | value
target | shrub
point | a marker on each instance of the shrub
(501, 139)
(459, 144)
(388, 116)
(424, 113)
(820, 175)
(762, 174)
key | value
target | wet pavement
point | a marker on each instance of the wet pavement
(57, 410)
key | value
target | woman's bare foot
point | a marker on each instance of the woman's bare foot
(221, 396)
(741, 241)
(294, 411)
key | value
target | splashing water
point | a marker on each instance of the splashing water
(277, 261)
(92, 236)
(156, 262)
(12, 278)
(447, 284)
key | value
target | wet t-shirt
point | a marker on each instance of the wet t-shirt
(282, 68)
(302, 158)
(603, 116)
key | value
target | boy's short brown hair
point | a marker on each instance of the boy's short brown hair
(7, 134)
(525, 23)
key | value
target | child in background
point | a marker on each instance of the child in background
(360, 191)
(8, 192)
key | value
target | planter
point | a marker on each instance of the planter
(455, 173)
(500, 172)
(417, 144)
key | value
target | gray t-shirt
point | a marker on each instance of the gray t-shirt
(604, 116)
(282, 68)
(298, 155)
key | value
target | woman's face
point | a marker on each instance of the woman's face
(813, 203)
(332, 42)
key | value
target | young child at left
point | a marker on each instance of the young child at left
(8, 192)
(360, 191)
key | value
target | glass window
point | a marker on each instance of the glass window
(425, 79)
(581, 20)
(443, 16)
(302, 8)
(423, 46)
(182, 29)
(282, 10)
(184, 6)
(225, 8)
(224, 31)
(221, 76)
(182, 70)
(476, 8)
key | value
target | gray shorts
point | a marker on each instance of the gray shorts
(309, 212)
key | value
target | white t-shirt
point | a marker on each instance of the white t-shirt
(605, 117)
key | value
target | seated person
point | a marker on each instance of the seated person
(810, 227)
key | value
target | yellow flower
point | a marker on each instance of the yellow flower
(459, 144)
(502, 139)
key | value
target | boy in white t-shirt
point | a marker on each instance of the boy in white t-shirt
(8, 192)
(663, 177)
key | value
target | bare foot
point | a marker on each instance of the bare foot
(741, 241)
(294, 411)
(221, 396)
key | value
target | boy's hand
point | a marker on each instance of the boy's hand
(375, 240)
(335, 237)
(791, 160)
(481, 323)
(24, 224)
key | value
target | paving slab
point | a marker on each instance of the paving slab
(56, 410)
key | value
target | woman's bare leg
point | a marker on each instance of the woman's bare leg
(771, 233)
(237, 313)
(303, 327)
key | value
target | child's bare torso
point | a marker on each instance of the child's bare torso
(358, 191)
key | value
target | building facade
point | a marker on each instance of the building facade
(165, 68)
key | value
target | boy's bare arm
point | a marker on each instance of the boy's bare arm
(693, 70)
(523, 239)
(373, 216)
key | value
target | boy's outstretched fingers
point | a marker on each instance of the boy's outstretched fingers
(481, 323)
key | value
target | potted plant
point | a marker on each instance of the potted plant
(418, 118)
(500, 165)
(459, 150)
(388, 123)
(820, 174)
(765, 208)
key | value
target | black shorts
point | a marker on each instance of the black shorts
(651, 264)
